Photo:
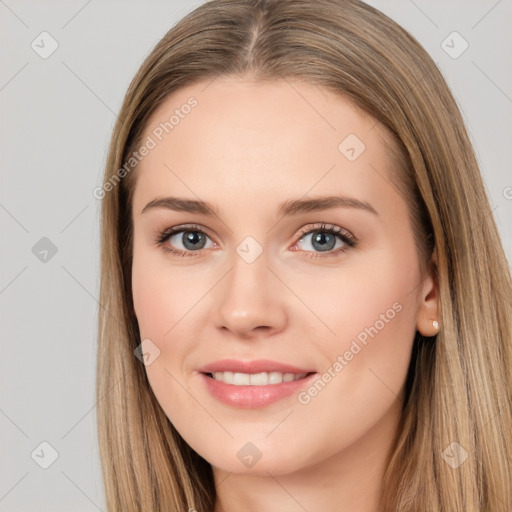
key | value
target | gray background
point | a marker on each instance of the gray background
(57, 115)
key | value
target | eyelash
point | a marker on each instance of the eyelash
(348, 239)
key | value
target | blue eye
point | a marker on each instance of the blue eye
(325, 238)
(192, 238)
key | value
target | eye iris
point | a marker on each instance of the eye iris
(190, 239)
(320, 238)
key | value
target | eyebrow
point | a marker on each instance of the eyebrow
(286, 209)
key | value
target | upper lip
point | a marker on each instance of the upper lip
(256, 366)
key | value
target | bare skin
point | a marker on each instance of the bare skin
(247, 147)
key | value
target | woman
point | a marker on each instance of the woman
(306, 304)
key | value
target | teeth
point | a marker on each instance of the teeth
(256, 379)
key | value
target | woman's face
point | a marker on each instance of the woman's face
(259, 292)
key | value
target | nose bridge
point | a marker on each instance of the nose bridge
(248, 298)
(249, 270)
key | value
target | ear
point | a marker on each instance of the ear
(428, 308)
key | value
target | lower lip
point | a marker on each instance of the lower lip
(253, 397)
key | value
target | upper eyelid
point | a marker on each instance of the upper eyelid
(340, 231)
(326, 226)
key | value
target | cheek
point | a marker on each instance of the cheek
(366, 361)
(161, 298)
(161, 302)
(373, 292)
(167, 301)
(150, 304)
(367, 310)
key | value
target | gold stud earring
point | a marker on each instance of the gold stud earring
(435, 323)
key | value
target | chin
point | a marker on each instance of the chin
(255, 458)
(260, 468)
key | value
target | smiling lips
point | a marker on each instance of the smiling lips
(253, 384)
(256, 379)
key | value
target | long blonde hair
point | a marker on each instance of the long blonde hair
(459, 385)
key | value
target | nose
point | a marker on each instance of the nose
(250, 301)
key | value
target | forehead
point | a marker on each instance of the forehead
(229, 136)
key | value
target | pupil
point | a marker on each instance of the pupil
(320, 238)
(192, 238)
